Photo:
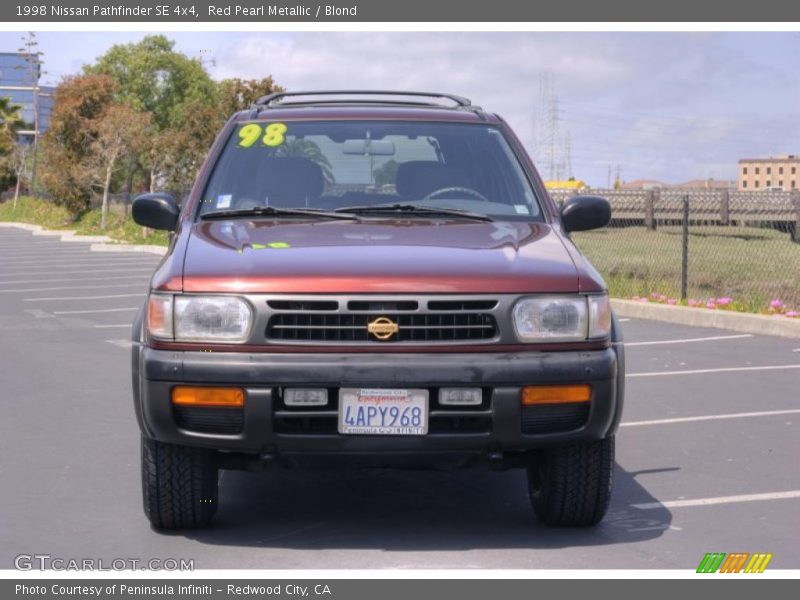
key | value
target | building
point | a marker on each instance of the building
(781, 173)
(693, 184)
(19, 81)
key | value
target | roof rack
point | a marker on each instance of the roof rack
(272, 100)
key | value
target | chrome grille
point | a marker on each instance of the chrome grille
(352, 327)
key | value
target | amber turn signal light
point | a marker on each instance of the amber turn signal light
(208, 396)
(556, 394)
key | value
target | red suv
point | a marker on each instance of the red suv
(374, 278)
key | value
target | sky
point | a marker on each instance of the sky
(665, 106)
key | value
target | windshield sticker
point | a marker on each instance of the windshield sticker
(277, 245)
(224, 201)
(521, 209)
(274, 135)
(249, 134)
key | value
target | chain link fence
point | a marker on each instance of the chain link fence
(699, 245)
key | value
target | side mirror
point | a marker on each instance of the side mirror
(157, 211)
(585, 212)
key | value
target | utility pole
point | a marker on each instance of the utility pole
(546, 130)
(608, 180)
(552, 137)
(34, 68)
(568, 155)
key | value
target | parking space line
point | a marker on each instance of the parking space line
(65, 271)
(127, 325)
(703, 371)
(49, 251)
(123, 343)
(63, 279)
(45, 255)
(768, 413)
(90, 259)
(33, 245)
(691, 340)
(718, 500)
(65, 256)
(84, 266)
(99, 310)
(60, 298)
(75, 287)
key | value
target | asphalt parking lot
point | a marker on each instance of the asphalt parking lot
(707, 456)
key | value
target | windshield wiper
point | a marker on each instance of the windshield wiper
(414, 209)
(272, 211)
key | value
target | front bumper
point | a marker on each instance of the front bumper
(495, 428)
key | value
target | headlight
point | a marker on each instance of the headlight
(199, 318)
(562, 318)
(202, 318)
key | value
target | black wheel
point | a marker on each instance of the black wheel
(179, 485)
(570, 486)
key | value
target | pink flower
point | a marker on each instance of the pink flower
(672, 301)
(693, 302)
(724, 301)
(792, 313)
(776, 305)
(643, 299)
(710, 304)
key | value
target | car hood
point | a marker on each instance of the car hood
(377, 256)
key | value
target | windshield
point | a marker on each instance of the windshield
(323, 165)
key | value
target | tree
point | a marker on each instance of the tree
(307, 149)
(19, 162)
(121, 133)
(239, 94)
(10, 123)
(152, 77)
(386, 174)
(178, 152)
(79, 105)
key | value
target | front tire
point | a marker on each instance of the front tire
(179, 485)
(570, 486)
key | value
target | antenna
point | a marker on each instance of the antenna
(210, 59)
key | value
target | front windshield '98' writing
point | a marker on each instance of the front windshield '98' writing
(331, 165)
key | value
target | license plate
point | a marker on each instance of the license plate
(383, 412)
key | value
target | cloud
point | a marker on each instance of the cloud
(673, 106)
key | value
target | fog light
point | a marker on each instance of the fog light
(460, 396)
(208, 396)
(556, 394)
(305, 396)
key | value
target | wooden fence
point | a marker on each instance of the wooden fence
(780, 210)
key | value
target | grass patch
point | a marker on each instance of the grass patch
(753, 266)
(37, 212)
(50, 216)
